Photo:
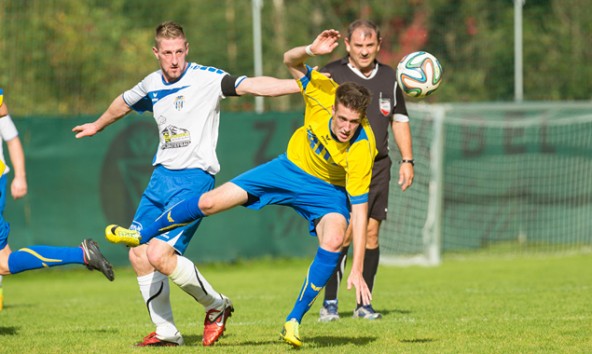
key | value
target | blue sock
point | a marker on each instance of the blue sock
(180, 214)
(36, 257)
(319, 272)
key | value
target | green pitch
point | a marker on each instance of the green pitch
(473, 304)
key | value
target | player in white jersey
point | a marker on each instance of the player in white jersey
(185, 100)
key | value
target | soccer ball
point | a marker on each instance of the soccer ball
(419, 74)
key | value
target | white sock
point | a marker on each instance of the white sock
(188, 278)
(156, 293)
(0, 280)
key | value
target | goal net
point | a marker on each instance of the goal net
(494, 178)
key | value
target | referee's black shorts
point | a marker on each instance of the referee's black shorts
(379, 189)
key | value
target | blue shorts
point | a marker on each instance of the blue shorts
(165, 189)
(282, 182)
(4, 225)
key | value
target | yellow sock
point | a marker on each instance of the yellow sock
(1, 299)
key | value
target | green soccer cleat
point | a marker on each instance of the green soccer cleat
(290, 333)
(118, 234)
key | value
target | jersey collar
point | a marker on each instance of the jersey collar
(345, 61)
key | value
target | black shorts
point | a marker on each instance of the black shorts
(379, 189)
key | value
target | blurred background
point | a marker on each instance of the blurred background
(497, 169)
(71, 57)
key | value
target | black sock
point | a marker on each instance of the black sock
(333, 284)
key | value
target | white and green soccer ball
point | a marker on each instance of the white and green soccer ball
(419, 74)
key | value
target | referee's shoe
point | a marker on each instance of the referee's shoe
(367, 312)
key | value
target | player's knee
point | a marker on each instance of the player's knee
(207, 204)
(4, 267)
(137, 256)
(159, 256)
(154, 257)
(333, 242)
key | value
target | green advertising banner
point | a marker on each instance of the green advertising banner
(79, 186)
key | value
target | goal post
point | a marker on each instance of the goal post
(492, 178)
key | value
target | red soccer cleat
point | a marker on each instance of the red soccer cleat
(152, 340)
(215, 322)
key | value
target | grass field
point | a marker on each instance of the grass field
(473, 304)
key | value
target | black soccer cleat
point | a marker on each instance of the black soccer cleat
(94, 259)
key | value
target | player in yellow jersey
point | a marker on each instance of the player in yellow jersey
(324, 175)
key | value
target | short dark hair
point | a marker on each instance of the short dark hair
(366, 24)
(168, 30)
(353, 96)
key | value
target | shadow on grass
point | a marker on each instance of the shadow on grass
(8, 331)
(331, 341)
(417, 340)
(17, 306)
(384, 312)
(318, 341)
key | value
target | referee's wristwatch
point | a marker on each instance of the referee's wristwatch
(411, 161)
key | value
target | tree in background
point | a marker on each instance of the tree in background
(65, 57)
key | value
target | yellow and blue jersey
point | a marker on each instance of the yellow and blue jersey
(315, 150)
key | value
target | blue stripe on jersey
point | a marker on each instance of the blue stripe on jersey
(207, 68)
(306, 78)
(358, 199)
(359, 135)
(143, 105)
(147, 103)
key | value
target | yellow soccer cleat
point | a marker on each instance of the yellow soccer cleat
(290, 333)
(118, 234)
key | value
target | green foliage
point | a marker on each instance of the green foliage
(72, 57)
(470, 304)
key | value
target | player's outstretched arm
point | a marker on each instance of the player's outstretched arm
(325, 43)
(267, 86)
(117, 110)
(359, 224)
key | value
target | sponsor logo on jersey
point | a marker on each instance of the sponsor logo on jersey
(175, 137)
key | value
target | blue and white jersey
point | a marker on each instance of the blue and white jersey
(187, 113)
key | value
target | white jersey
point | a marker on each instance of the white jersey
(7, 132)
(187, 113)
